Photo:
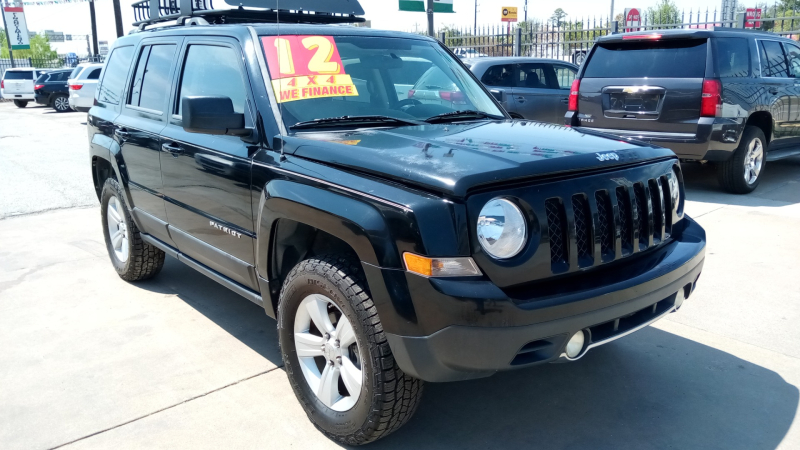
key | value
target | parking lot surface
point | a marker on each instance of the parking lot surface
(90, 361)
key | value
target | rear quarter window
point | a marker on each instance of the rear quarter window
(662, 59)
(112, 85)
(732, 57)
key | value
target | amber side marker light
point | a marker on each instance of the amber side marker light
(440, 267)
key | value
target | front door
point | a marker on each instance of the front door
(207, 178)
(536, 94)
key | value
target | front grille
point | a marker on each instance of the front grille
(642, 217)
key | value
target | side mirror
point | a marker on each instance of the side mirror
(497, 94)
(212, 115)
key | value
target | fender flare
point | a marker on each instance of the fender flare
(108, 149)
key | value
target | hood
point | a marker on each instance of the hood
(454, 158)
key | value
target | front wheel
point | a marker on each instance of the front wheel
(336, 355)
(20, 103)
(61, 103)
(741, 173)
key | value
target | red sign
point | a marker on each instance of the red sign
(752, 18)
(305, 67)
(633, 19)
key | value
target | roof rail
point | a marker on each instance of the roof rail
(151, 12)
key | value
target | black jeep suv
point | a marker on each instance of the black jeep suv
(723, 95)
(395, 240)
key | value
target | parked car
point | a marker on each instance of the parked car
(51, 89)
(82, 83)
(396, 241)
(17, 84)
(466, 53)
(529, 88)
(720, 95)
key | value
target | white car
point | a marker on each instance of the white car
(17, 84)
(82, 84)
(465, 53)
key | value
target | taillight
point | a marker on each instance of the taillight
(711, 102)
(38, 86)
(573, 95)
(75, 87)
(2, 84)
(411, 93)
(452, 96)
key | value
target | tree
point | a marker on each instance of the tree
(40, 48)
(665, 12)
(557, 17)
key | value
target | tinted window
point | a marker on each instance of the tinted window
(667, 59)
(733, 57)
(793, 57)
(113, 83)
(18, 75)
(44, 78)
(533, 76)
(95, 74)
(76, 71)
(155, 82)
(773, 64)
(502, 75)
(205, 67)
(565, 76)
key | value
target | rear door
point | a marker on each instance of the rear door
(780, 95)
(541, 93)
(18, 82)
(644, 86)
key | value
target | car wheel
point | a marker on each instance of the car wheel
(336, 355)
(20, 103)
(133, 259)
(741, 173)
(61, 103)
(579, 57)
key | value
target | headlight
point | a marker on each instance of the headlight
(502, 230)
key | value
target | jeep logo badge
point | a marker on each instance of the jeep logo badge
(607, 156)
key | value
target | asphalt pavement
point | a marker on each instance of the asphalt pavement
(90, 361)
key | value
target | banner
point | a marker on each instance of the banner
(50, 2)
(17, 28)
(439, 6)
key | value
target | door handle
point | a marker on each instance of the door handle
(172, 149)
(521, 99)
(121, 133)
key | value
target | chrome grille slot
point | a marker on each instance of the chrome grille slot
(657, 200)
(625, 222)
(667, 206)
(642, 216)
(557, 229)
(583, 230)
(605, 225)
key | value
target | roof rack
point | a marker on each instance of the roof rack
(202, 12)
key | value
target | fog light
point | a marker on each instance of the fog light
(575, 344)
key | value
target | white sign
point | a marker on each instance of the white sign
(17, 28)
(102, 47)
(633, 19)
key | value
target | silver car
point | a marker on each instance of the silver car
(529, 88)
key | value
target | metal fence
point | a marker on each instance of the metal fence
(570, 40)
(61, 62)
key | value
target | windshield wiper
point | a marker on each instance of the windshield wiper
(463, 114)
(361, 120)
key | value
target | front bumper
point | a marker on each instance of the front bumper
(493, 332)
(716, 138)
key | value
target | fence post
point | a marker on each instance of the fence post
(517, 41)
(614, 27)
(739, 20)
(441, 37)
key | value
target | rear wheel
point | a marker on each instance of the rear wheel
(336, 355)
(742, 172)
(20, 103)
(61, 103)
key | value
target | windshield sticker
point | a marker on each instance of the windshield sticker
(306, 67)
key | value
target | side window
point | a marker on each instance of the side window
(533, 76)
(502, 75)
(110, 89)
(204, 71)
(565, 76)
(151, 84)
(95, 74)
(773, 64)
(732, 57)
(793, 57)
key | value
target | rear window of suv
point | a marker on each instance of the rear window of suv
(663, 59)
(18, 75)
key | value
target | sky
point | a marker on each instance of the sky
(73, 18)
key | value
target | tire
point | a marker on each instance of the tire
(20, 103)
(135, 260)
(388, 399)
(743, 171)
(61, 103)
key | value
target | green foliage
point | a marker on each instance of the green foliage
(665, 12)
(558, 15)
(40, 49)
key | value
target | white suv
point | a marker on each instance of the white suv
(82, 83)
(17, 84)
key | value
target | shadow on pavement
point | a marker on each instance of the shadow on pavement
(780, 183)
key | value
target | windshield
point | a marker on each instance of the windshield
(320, 77)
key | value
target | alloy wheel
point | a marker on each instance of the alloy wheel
(328, 352)
(753, 161)
(61, 104)
(117, 229)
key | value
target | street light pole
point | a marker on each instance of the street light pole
(475, 24)
(94, 26)
(526, 10)
(118, 18)
(431, 33)
(611, 16)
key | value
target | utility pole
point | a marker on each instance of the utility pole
(118, 18)
(475, 24)
(431, 33)
(611, 16)
(8, 35)
(94, 27)
(526, 10)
